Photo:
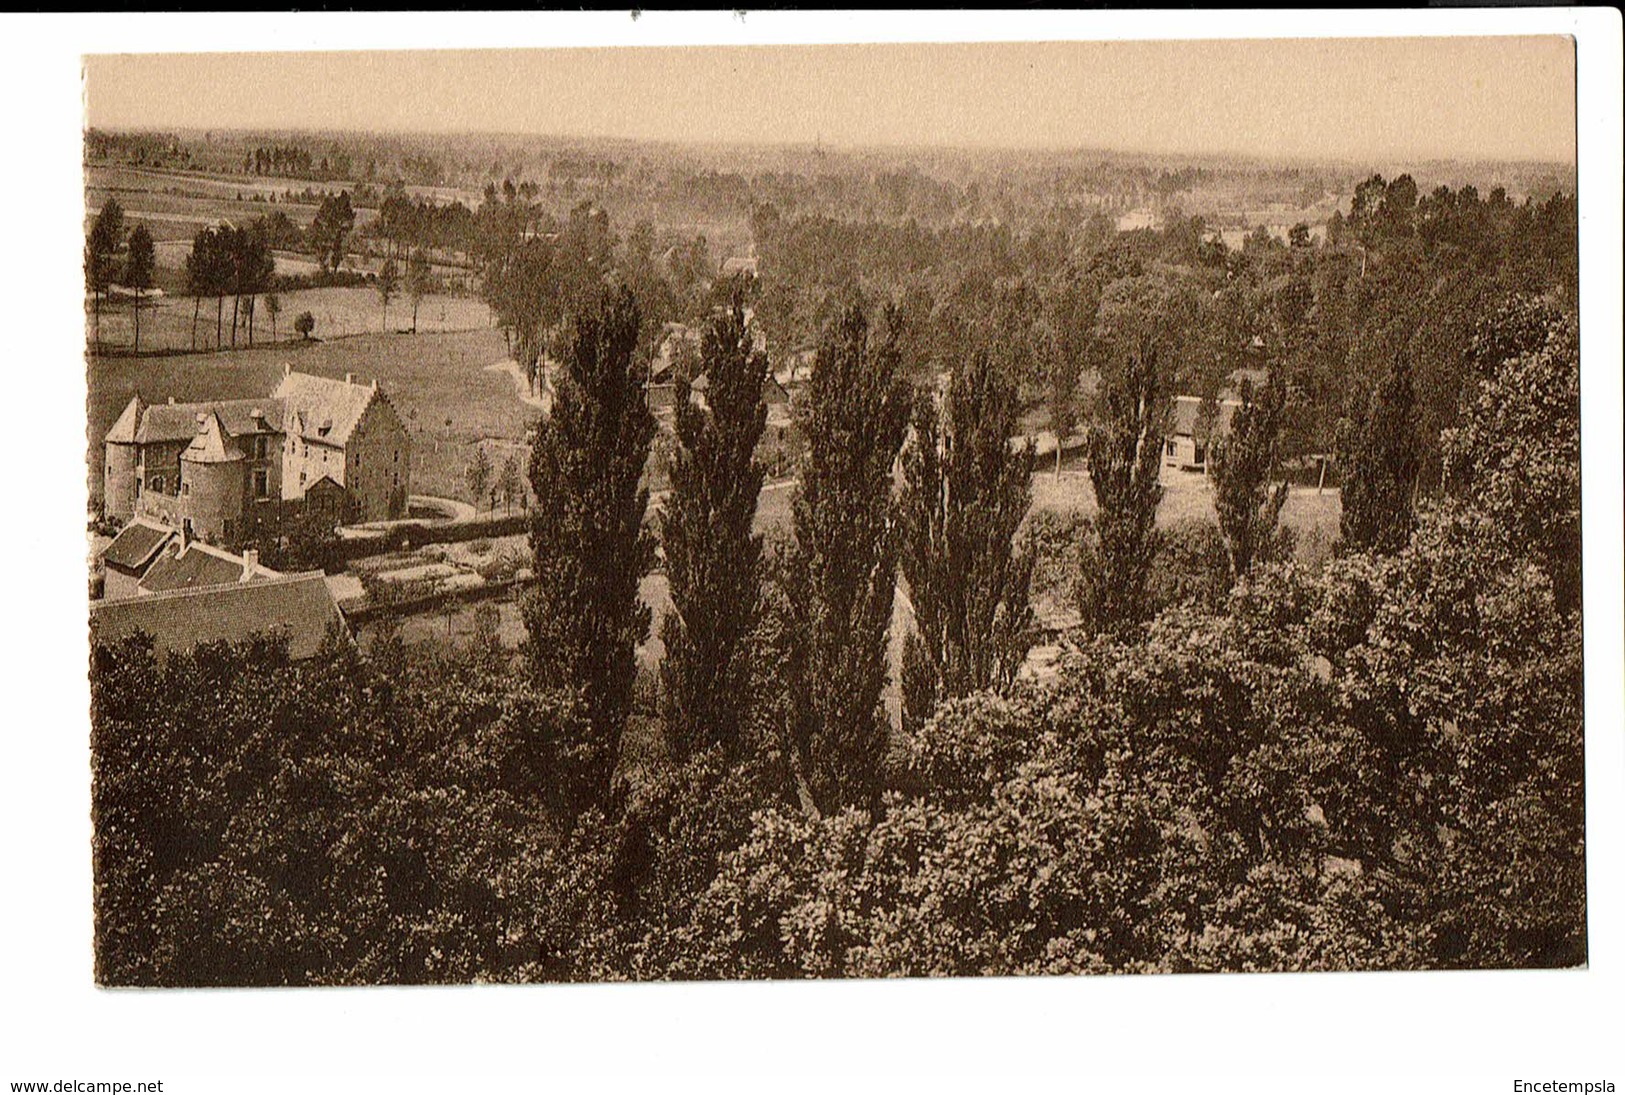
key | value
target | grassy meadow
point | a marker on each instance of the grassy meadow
(437, 381)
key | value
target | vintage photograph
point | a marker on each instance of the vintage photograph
(834, 511)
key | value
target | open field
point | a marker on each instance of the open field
(437, 381)
(166, 322)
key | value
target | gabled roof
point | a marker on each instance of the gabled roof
(129, 420)
(136, 544)
(178, 421)
(209, 446)
(1188, 411)
(298, 605)
(199, 565)
(319, 409)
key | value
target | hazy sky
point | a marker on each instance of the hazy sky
(1507, 98)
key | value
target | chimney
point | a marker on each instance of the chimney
(202, 421)
(287, 370)
(349, 378)
(251, 563)
(186, 535)
(375, 384)
(171, 401)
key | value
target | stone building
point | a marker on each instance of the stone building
(227, 470)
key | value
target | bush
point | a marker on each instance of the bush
(1053, 539)
(305, 324)
(1190, 567)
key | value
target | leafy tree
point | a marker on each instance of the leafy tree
(389, 279)
(588, 541)
(139, 265)
(1243, 463)
(1516, 455)
(304, 323)
(966, 490)
(1381, 462)
(842, 574)
(478, 475)
(101, 249)
(329, 232)
(509, 482)
(200, 270)
(713, 560)
(252, 270)
(417, 281)
(273, 306)
(1125, 456)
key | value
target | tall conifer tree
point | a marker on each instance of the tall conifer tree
(1381, 461)
(842, 573)
(966, 491)
(713, 560)
(588, 544)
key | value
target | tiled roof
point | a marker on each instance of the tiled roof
(209, 446)
(128, 421)
(199, 565)
(178, 421)
(299, 605)
(1188, 411)
(134, 546)
(321, 409)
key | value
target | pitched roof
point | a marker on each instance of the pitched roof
(298, 605)
(178, 421)
(1188, 411)
(320, 409)
(128, 421)
(209, 446)
(136, 544)
(199, 565)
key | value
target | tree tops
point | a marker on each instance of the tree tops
(842, 571)
(966, 490)
(713, 559)
(588, 542)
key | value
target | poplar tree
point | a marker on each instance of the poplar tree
(1244, 462)
(1381, 456)
(966, 491)
(842, 570)
(1125, 455)
(139, 266)
(713, 560)
(588, 545)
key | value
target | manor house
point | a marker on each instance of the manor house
(225, 470)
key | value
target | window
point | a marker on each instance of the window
(1170, 448)
(301, 479)
(261, 447)
(262, 483)
(156, 483)
(186, 489)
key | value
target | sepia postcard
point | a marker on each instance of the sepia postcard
(822, 550)
(837, 511)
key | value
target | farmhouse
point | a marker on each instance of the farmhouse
(1186, 445)
(349, 433)
(224, 470)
